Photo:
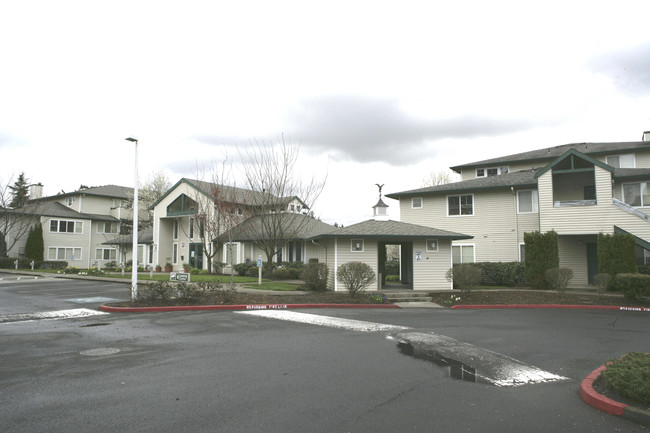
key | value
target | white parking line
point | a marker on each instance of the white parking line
(332, 322)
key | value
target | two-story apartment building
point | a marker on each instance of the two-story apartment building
(578, 190)
(77, 225)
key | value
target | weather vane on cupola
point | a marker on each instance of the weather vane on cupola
(380, 208)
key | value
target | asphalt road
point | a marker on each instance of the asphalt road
(231, 372)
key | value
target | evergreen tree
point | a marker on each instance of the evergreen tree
(19, 192)
(35, 247)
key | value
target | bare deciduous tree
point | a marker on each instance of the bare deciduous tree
(440, 177)
(14, 222)
(280, 196)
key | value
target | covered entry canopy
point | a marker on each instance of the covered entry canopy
(425, 251)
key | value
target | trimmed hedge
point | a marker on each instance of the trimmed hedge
(633, 286)
(315, 276)
(502, 273)
(8, 263)
(616, 254)
(541, 255)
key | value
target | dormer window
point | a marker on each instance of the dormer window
(416, 203)
(69, 201)
(491, 171)
(621, 161)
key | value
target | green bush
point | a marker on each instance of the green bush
(502, 273)
(558, 278)
(465, 277)
(630, 377)
(8, 263)
(217, 267)
(391, 267)
(159, 290)
(356, 276)
(34, 247)
(315, 276)
(242, 268)
(392, 278)
(616, 254)
(287, 273)
(541, 255)
(633, 286)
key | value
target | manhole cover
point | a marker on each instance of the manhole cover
(100, 352)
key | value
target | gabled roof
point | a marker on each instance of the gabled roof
(519, 179)
(309, 227)
(392, 230)
(58, 210)
(238, 195)
(571, 153)
(551, 153)
(110, 191)
(631, 173)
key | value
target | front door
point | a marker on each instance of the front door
(196, 256)
(592, 262)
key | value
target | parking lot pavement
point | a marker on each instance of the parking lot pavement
(33, 294)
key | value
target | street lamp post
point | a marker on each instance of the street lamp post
(134, 256)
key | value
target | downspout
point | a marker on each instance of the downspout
(514, 200)
(336, 264)
(90, 235)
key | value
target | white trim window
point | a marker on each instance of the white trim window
(108, 228)
(522, 252)
(105, 254)
(417, 203)
(460, 205)
(492, 171)
(527, 201)
(175, 253)
(175, 230)
(191, 228)
(432, 245)
(463, 253)
(64, 253)
(621, 161)
(356, 245)
(636, 194)
(65, 226)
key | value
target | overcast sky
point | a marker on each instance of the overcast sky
(374, 91)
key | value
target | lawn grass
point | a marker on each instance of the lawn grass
(272, 285)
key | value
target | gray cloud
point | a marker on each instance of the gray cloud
(367, 130)
(628, 69)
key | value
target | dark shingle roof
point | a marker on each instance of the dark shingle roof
(112, 191)
(520, 179)
(392, 230)
(58, 210)
(309, 227)
(551, 153)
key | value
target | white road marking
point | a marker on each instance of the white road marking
(490, 367)
(332, 322)
(60, 314)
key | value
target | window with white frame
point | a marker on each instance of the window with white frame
(140, 254)
(432, 245)
(621, 161)
(108, 227)
(105, 254)
(459, 205)
(175, 230)
(636, 194)
(69, 201)
(356, 245)
(65, 226)
(63, 253)
(527, 201)
(462, 254)
(492, 171)
(191, 228)
(416, 203)
(175, 253)
(522, 253)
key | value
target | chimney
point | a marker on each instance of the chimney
(35, 191)
(646, 136)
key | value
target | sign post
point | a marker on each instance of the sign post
(259, 270)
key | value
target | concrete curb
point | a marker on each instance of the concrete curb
(590, 396)
(110, 309)
(557, 306)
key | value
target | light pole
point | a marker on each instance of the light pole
(134, 255)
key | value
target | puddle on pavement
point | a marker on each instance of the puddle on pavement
(455, 369)
(90, 325)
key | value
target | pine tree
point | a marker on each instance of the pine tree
(19, 192)
(35, 247)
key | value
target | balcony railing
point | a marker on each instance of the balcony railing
(630, 209)
(573, 203)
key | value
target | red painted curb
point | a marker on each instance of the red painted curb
(109, 309)
(599, 401)
(574, 307)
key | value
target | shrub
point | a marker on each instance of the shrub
(242, 268)
(159, 290)
(603, 281)
(630, 377)
(391, 267)
(392, 278)
(616, 253)
(541, 255)
(315, 276)
(356, 276)
(633, 286)
(217, 267)
(189, 292)
(558, 278)
(502, 273)
(195, 271)
(287, 273)
(34, 247)
(465, 277)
